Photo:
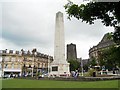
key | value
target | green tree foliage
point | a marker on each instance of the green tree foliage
(107, 12)
(90, 72)
(74, 65)
(93, 62)
(110, 57)
(116, 35)
(85, 67)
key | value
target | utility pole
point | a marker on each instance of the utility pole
(82, 66)
(2, 63)
(34, 52)
(32, 66)
(48, 66)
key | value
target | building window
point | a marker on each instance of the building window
(5, 66)
(42, 65)
(11, 51)
(38, 65)
(19, 66)
(7, 59)
(13, 59)
(12, 66)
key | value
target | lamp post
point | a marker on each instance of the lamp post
(34, 51)
(82, 66)
(23, 62)
(2, 63)
(33, 65)
(48, 66)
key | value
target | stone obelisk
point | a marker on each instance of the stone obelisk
(59, 66)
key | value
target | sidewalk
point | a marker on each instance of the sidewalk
(111, 77)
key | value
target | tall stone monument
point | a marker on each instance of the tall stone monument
(59, 67)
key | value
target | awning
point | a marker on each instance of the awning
(12, 70)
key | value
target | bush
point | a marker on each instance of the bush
(90, 72)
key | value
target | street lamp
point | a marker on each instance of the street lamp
(82, 66)
(2, 63)
(48, 65)
(32, 70)
(34, 51)
(23, 62)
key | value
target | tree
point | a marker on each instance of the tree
(107, 12)
(86, 67)
(74, 65)
(110, 57)
(116, 35)
(93, 61)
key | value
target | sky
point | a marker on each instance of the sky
(28, 24)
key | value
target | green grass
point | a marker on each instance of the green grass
(0, 84)
(23, 83)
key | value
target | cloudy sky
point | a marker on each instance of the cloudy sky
(30, 24)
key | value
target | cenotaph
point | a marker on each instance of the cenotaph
(59, 66)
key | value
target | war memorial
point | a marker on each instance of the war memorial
(59, 66)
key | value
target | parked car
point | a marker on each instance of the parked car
(6, 76)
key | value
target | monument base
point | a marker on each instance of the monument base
(59, 70)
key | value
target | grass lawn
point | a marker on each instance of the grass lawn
(24, 83)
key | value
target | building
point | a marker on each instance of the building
(21, 63)
(105, 43)
(71, 52)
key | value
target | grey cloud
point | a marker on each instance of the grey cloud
(24, 29)
(81, 29)
(32, 24)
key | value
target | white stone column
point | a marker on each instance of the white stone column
(59, 42)
(59, 48)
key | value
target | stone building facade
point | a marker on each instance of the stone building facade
(71, 52)
(105, 43)
(23, 63)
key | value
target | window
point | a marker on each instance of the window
(5, 66)
(13, 59)
(11, 51)
(7, 59)
(19, 66)
(12, 66)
